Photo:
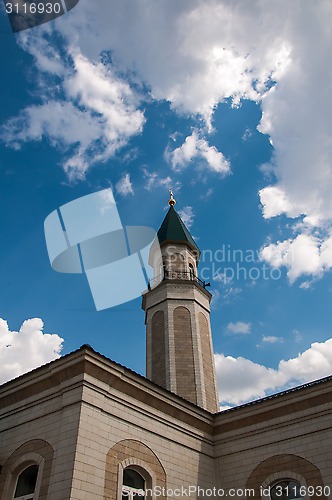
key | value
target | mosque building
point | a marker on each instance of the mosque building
(84, 427)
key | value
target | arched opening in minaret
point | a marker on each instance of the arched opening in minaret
(192, 273)
(177, 262)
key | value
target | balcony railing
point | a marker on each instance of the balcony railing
(177, 275)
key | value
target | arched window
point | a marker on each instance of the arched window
(26, 483)
(287, 489)
(177, 262)
(133, 485)
(191, 271)
(164, 267)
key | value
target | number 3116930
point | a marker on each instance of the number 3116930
(33, 8)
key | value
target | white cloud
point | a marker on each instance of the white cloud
(247, 134)
(304, 255)
(239, 327)
(198, 148)
(305, 285)
(271, 339)
(26, 349)
(187, 216)
(326, 252)
(57, 119)
(241, 380)
(296, 116)
(124, 186)
(275, 202)
(195, 55)
(207, 194)
(106, 201)
(187, 60)
(297, 335)
(153, 180)
(96, 119)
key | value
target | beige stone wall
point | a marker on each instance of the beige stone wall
(158, 349)
(168, 297)
(133, 453)
(286, 436)
(184, 354)
(94, 424)
(32, 452)
(40, 427)
(207, 363)
(86, 418)
(151, 342)
(118, 429)
(179, 455)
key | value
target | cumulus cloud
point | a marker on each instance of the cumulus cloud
(197, 148)
(175, 50)
(97, 117)
(275, 202)
(310, 252)
(298, 126)
(26, 349)
(239, 327)
(241, 380)
(304, 255)
(194, 55)
(179, 50)
(124, 186)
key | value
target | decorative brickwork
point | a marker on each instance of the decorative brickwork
(184, 354)
(158, 375)
(282, 464)
(207, 362)
(135, 454)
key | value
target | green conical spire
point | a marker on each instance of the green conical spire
(173, 229)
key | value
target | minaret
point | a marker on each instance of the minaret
(179, 353)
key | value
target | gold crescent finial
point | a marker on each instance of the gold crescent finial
(171, 200)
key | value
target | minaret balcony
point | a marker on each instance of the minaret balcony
(176, 275)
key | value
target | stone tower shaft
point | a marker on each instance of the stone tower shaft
(179, 352)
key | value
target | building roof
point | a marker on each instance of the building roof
(173, 230)
(86, 360)
(73, 368)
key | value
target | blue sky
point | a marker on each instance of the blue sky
(235, 118)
